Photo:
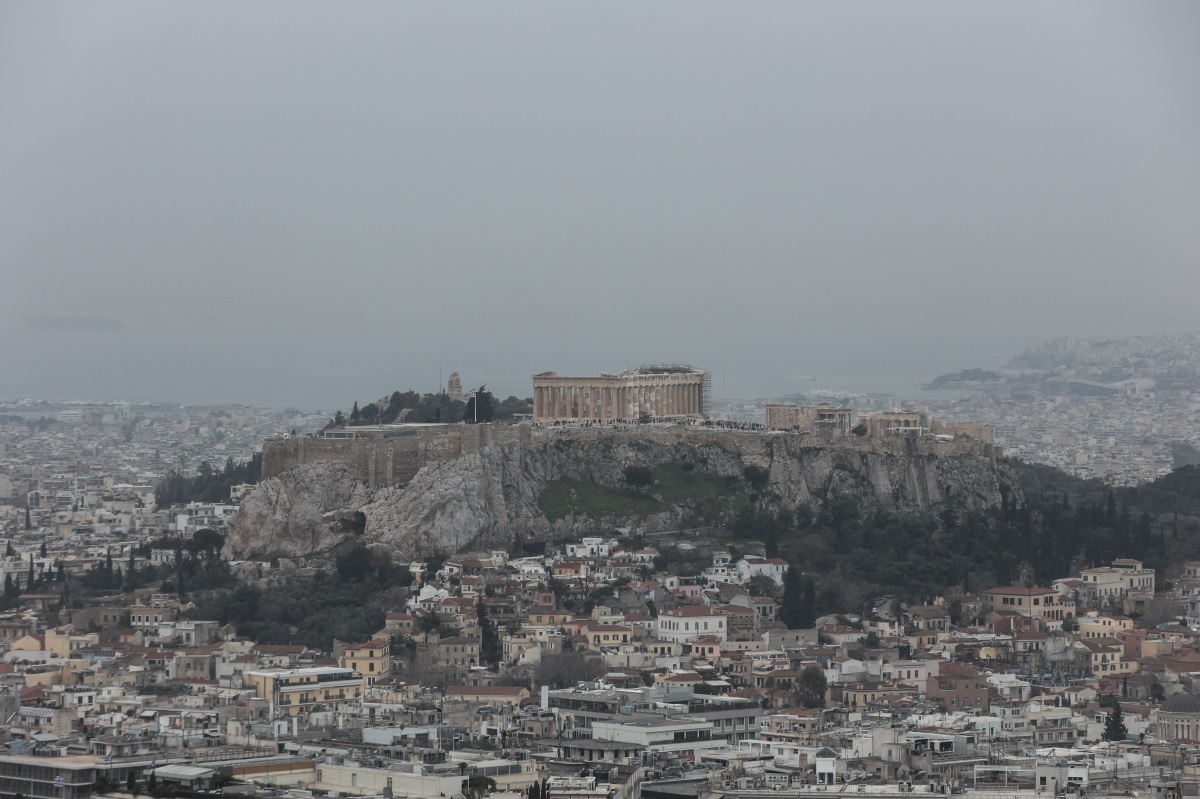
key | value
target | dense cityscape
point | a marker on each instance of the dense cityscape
(537, 400)
(146, 653)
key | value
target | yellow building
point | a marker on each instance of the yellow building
(297, 691)
(541, 615)
(372, 660)
(1104, 657)
(1103, 626)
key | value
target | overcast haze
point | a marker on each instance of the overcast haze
(294, 203)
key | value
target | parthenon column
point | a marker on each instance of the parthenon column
(537, 401)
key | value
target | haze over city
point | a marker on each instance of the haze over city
(300, 204)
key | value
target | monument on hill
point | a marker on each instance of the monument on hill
(655, 391)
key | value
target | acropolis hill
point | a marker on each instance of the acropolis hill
(427, 489)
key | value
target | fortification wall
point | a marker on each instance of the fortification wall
(395, 460)
(387, 461)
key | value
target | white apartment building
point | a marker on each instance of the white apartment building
(680, 625)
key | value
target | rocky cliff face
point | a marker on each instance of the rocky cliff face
(492, 497)
(308, 509)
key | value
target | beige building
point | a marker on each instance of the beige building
(659, 391)
(372, 660)
(810, 418)
(896, 422)
(1035, 603)
(296, 691)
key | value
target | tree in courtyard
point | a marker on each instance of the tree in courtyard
(811, 687)
(1114, 727)
(762, 585)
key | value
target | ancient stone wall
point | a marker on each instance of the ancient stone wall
(396, 459)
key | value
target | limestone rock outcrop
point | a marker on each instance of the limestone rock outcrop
(307, 509)
(491, 497)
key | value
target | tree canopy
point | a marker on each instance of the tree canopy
(208, 484)
(481, 406)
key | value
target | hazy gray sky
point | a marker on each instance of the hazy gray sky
(318, 202)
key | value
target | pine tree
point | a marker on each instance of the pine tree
(8, 550)
(42, 550)
(1114, 727)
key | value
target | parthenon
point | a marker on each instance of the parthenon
(659, 391)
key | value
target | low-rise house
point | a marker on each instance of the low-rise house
(372, 660)
(958, 686)
(683, 623)
(499, 697)
(1103, 657)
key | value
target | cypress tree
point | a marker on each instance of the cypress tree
(791, 611)
(809, 618)
(1114, 727)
